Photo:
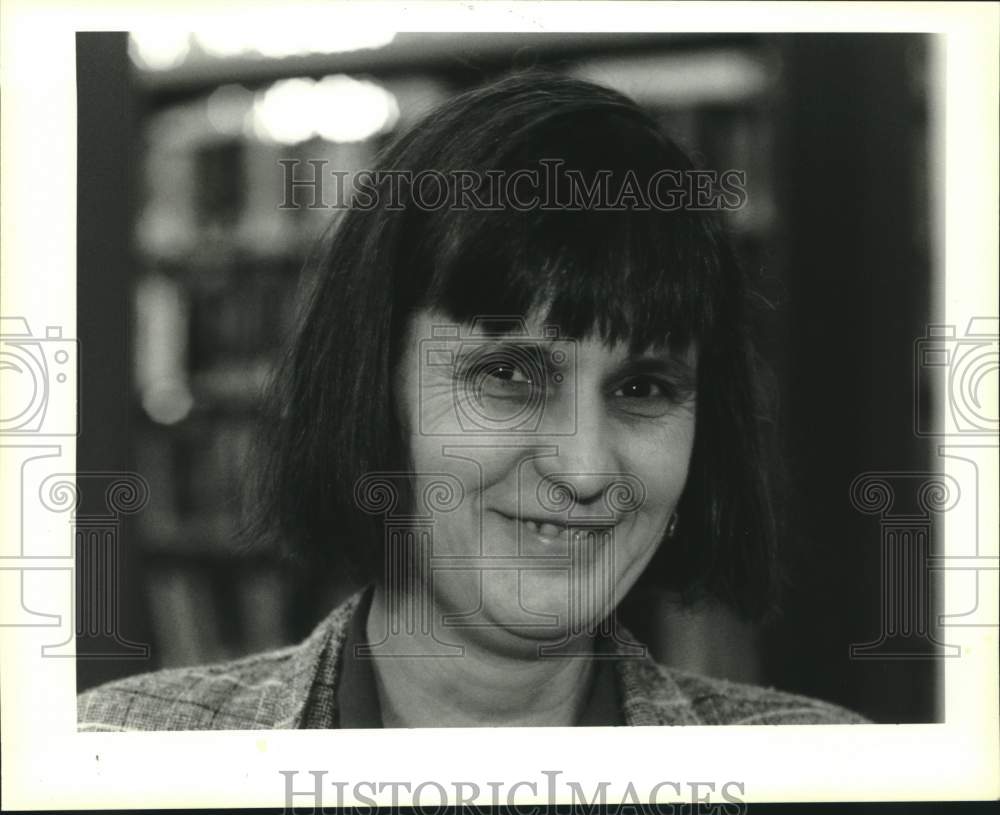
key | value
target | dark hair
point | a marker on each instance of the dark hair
(641, 276)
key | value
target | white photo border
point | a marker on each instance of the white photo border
(47, 764)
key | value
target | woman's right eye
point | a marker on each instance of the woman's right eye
(502, 380)
(506, 372)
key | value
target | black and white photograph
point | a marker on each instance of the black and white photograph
(439, 387)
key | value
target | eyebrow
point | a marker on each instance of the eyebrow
(678, 369)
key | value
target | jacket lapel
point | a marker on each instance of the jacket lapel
(310, 677)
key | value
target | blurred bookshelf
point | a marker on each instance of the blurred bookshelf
(219, 266)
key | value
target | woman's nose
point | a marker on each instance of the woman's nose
(584, 463)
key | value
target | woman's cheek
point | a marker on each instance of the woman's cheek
(660, 458)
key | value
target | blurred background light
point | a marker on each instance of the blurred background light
(349, 110)
(263, 32)
(337, 108)
(225, 38)
(161, 349)
(267, 32)
(331, 32)
(167, 402)
(283, 113)
(227, 109)
(160, 48)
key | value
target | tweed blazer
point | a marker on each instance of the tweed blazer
(296, 687)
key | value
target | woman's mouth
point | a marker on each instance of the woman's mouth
(545, 531)
(551, 532)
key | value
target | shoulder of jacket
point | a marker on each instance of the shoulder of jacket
(723, 702)
(262, 691)
(226, 695)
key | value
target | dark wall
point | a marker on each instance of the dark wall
(110, 606)
(858, 296)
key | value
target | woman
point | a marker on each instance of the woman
(522, 391)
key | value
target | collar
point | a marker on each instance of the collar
(646, 693)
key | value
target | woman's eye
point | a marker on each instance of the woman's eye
(645, 388)
(506, 373)
(502, 380)
(649, 396)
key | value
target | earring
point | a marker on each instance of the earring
(672, 525)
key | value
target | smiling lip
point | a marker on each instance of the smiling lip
(547, 530)
(544, 529)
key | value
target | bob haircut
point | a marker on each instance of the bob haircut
(644, 276)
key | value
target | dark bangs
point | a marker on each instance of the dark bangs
(641, 278)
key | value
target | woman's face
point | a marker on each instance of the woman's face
(566, 459)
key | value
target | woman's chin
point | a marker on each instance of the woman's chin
(539, 609)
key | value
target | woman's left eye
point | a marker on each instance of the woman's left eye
(648, 396)
(645, 387)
